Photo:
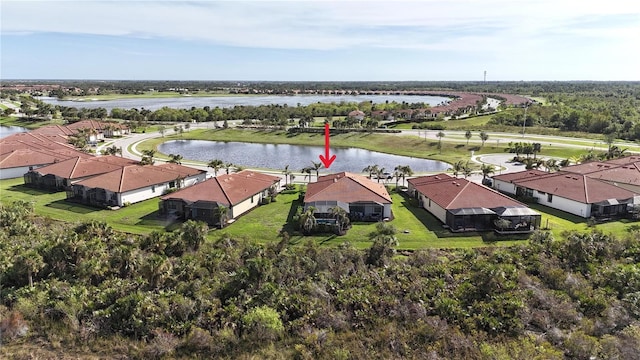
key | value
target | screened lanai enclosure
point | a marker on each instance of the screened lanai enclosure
(358, 211)
(513, 219)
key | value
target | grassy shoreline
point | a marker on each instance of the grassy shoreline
(412, 146)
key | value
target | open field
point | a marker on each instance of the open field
(417, 228)
(16, 121)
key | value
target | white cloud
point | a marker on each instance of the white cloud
(320, 25)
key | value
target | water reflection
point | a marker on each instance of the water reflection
(274, 156)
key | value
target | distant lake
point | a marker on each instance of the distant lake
(10, 130)
(187, 102)
(271, 156)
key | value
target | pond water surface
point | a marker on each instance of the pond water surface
(10, 130)
(276, 157)
(186, 102)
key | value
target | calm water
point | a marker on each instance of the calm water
(10, 130)
(186, 102)
(273, 156)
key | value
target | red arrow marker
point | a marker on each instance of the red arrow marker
(326, 159)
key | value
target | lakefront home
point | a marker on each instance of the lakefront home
(133, 183)
(60, 175)
(577, 194)
(462, 205)
(361, 198)
(230, 195)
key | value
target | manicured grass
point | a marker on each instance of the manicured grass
(416, 227)
(264, 223)
(29, 124)
(139, 218)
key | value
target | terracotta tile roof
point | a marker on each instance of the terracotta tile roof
(625, 174)
(78, 167)
(576, 187)
(28, 157)
(134, 177)
(589, 167)
(181, 170)
(348, 188)
(227, 189)
(511, 177)
(115, 160)
(355, 113)
(452, 193)
(33, 141)
(53, 130)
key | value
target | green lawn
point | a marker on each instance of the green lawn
(138, 218)
(416, 227)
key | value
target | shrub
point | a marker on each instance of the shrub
(263, 322)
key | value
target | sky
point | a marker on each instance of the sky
(429, 40)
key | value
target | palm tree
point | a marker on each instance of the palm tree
(342, 218)
(222, 215)
(175, 159)
(468, 136)
(286, 172)
(466, 170)
(440, 135)
(228, 167)
(565, 162)
(551, 165)
(215, 164)
(486, 171)
(316, 167)
(406, 171)
(484, 137)
(308, 221)
(384, 239)
(457, 168)
(380, 173)
(307, 172)
(147, 157)
(112, 150)
(162, 129)
(371, 169)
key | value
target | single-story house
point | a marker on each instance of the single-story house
(237, 193)
(575, 193)
(62, 174)
(356, 114)
(361, 198)
(133, 183)
(462, 205)
(16, 163)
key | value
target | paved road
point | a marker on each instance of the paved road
(498, 160)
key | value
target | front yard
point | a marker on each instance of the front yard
(416, 227)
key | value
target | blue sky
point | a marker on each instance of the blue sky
(321, 40)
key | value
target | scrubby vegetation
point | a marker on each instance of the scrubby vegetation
(88, 290)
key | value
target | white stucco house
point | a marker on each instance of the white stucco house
(462, 205)
(133, 183)
(235, 193)
(572, 192)
(361, 198)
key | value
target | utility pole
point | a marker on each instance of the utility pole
(485, 76)
(524, 121)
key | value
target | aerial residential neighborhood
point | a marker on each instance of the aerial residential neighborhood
(315, 179)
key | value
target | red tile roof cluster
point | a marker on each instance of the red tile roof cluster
(27, 149)
(133, 177)
(79, 167)
(346, 187)
(227, 189)
(452, 193)
(587, 183)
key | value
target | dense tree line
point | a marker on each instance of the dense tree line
(86, 285)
